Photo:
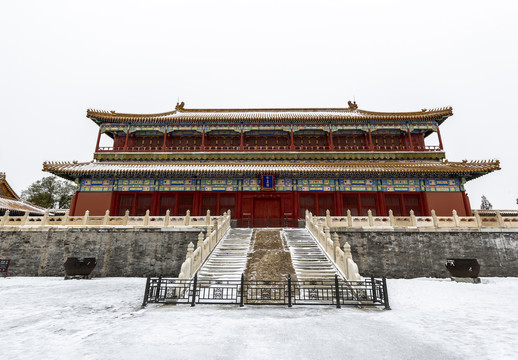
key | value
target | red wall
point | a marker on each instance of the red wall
(98, 202)
(444, 202)
(95, 202)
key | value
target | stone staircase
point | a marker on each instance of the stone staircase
(309, 261)
(228, 260)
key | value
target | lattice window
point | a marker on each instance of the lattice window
(393, 202)
(350, 202)
(125, 203)
(325, 202)
(307, 202)
(412, 202)
(143, 203)
(167, 203)
(368, 202)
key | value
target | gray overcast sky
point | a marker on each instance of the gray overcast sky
(58, 58)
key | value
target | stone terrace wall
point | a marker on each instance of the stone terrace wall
(119, 252)
(409, 253)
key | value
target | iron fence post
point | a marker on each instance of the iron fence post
(338, 306)
(385, 294)
(373, 284)
(289, 290)
(193, 302)
(146, 292)
(158, 288)
(241, 301)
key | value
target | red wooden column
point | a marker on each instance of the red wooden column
(292, 142)
(98, 140)
(126, 140)
(203, 140)
(241, 142)
(410, 139)
(165, 139)
(331, 145)
(439, 136)
(371, 145)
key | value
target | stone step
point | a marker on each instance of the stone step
(228, 260)
(309, 262)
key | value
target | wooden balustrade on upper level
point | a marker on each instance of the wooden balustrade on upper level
(270, 148)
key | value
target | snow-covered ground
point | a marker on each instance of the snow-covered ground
(49, 318)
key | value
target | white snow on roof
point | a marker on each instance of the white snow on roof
(270, 115)
(15, 205)
(265, 167)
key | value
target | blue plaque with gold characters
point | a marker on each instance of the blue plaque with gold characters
(267, 182)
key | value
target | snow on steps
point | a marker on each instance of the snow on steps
(228, 261)
(309, 262)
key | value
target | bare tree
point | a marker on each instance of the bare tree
(485, 205)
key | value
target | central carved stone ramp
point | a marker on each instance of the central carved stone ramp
(228, 260)
(269, 258)
(309, 261)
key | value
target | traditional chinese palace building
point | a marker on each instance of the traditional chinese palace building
(273, 163)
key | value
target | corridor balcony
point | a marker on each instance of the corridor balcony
(247, 148)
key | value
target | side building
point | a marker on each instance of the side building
(10, 201)
(271, 164)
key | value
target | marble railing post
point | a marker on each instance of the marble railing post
(85, 218)
(328, 218)
(499, 219)
(190, 251)
(349, 218)
(413, 220)
(166, 217)
(200, 245)
(347, 255)
(24, 218)
(392, 221)
(106, 217)
(187, 219)
(320, 229)
(371, 220)
(4, 218)
(336, 246)
(146, 218)
(207, 218)
(65, 218)
(455, 218)
(327, 235)
(216, 230)
(434, 219)
(45, 217)
(477, 218)
(126, 218)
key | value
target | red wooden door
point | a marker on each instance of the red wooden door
(267, 208)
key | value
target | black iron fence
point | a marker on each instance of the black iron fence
(368, 292)
(250, 222)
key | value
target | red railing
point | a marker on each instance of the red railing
(268, 148)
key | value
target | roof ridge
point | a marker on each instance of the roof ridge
(92, 112)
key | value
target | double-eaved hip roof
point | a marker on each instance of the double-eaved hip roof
(72, 170)
(180, 114)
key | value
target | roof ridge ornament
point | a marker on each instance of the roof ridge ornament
(180, 106)
(352, 105)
